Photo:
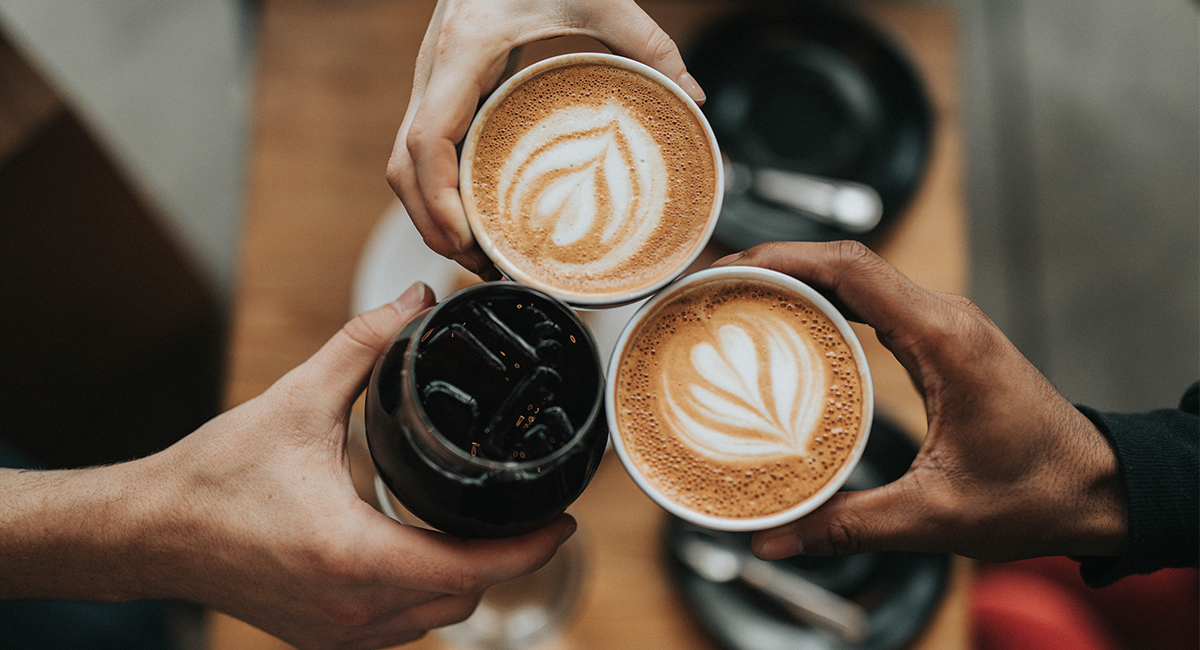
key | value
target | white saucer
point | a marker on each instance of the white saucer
(394, 257)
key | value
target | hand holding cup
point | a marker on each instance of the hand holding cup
(1008, 469)
(469, 47)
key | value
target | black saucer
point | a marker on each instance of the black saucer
(809, 87)
(900, 590)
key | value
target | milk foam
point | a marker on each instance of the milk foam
(592, 180)
(754, 391)
(738, 400)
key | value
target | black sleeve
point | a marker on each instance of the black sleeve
(1158, 458)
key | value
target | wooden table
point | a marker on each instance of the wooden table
(333, 85)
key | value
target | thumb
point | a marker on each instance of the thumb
(340, 368)
(630, 32)
(884, 518)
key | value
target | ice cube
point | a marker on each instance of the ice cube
(522, 409)
(553, 430)
(455, 413)
(495, 335)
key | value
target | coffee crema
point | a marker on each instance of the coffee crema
(738, 399)
(593, 180)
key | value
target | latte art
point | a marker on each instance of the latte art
(753, 393)
(737, 399)
(593, 179)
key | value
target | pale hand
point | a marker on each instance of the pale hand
(468, 49)
(255, 514)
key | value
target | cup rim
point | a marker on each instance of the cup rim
(583, 299)
(741, 524)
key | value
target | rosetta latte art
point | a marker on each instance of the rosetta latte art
(754, 393)
(737, 398)
(590, 179)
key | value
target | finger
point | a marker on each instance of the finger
(456, 84)
(401, 174)
(438, 563)
(850, 274)
(461, 71)
(630, 32)
(889, 517)
(339, 369)
(402, 177)
(439, 612)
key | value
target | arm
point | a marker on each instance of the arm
(255, 514)
(1008, 469)
(469, 46)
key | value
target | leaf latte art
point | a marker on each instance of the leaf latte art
(752, 392)
(592, 182)
(737, 398)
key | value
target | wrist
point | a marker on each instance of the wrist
(1102, 520)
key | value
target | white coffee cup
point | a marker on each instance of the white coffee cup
(729, 419)
(592, 177)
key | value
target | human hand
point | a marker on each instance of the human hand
(1009, 468)
(255, 514)
(468, 48)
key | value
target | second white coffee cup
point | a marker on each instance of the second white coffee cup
(739, 399)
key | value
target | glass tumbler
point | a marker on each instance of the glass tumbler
(485, 416)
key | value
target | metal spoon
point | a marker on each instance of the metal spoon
(807, 602)
(853, 207)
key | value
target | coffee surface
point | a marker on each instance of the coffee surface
(738, 400)
(506, 375)
(593, 180)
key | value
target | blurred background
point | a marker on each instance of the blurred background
(125, 128)
(1083, 171)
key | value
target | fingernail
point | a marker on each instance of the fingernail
(778, 547)
(567, 532)
(689, 85)
(412, 297)
(729, 259)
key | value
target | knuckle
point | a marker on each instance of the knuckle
(414, 140)
(337, 563)
(854, 254)
(399, 169)
(361, 332)
(844, 537)
(465, 580)
(962, 302)
(660, 46)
